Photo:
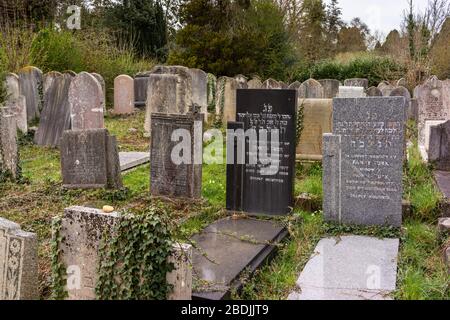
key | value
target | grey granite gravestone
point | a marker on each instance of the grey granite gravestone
(89, 160)
(181, 177)
(86, 101)
(439, 147)
(363, 162)
(140, 89)
(330, 88)
(266, 191)
(18, 263)
(9, 151)
(31, 86)
(229, 248)
(55, 117)
(357, 82)
(311, 89)
(374, 92)
(349, 268)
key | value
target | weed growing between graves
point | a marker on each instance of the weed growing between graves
(59, 279)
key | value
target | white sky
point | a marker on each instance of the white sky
(382, 15)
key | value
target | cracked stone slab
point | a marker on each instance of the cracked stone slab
(349, 268)
(130, 160)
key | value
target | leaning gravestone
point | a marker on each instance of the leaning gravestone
(49, 78)
(330, 88)
(267, 186)
(9, 152)
(433, 99)
(18, 263)
(317, 120)
(311, 89)
(363, 162)
(180, 176)
(55, 117)
(86, 101)
(123, 95)
(90, 159)
(162, 97)
(31, 86)
(374, 92)
(357, 82)
(351, 92)
(439, 148)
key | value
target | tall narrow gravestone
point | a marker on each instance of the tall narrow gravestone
(18, 263)
(267, 180)
(176, 155)
(9, 152)
(31, 86)
(89, 159)
(363, 162)
(123, 95)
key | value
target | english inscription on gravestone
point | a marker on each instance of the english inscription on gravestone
(268, 184)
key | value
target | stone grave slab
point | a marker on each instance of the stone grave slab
(227, 248)
(130, 160)
(18, 263)
(349, 268)
(363, 161)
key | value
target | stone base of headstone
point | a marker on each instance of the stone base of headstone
(18, 263)
(229, 248)
(349, 268)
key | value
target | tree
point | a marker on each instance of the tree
(334, 23)
(312, 30)
(141, 23)
(440, 53)
(351, 39)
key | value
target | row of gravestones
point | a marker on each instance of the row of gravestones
(81, 231)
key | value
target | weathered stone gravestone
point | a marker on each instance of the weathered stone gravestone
(83, 230)
(386, 88)
(330, 88)
(295, 85)
(212, 87)
(199, 80)
(123, 95)
(176, 166)
(86, 101)
(271, 84)
(267, 183)
(311, 89)
(12, 86)
(374, 92)
(162, 97)
(243, 80)
(18, 263)
(140, 89)
(363, 162)
(433, 99)
(49, 78)
(351, 92)
(31, 86)
(90, 159)
(255, 83)
(55, 117)
(226, 99)
(317, 120)
(357, 82)
(18, 109)
(439, 148)
(401, 82)
(9, 152)
(102, 82)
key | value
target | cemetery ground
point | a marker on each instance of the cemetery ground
(422, 273)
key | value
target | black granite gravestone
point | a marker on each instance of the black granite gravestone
(235, 172)
(265, 192)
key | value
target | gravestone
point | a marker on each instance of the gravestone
(433, 98)
(48, 80)
(140, 89)
(351, 92)
(374, 92)
(271, 84)
(330, 88)
(363, 162)
(413, 111)
(102, 82)
(162, 97)
(226, 99)
(18, 263)
(12, 86)
(386, 88)
(255, 83)
(18, 109)
(242, 80)
(9, 152)
(177, 177)
(90, 160)
(212, 87)
(349, 268)
(55, 117)
(123, 95)
(357, 82)
(311, 89)
(439, 147)
(295, 85)
(86, 101)
(401, 82)
(31, 86)
(317, 120)
(71, 72)
(199, 86)
(401, 92)
(267, 185)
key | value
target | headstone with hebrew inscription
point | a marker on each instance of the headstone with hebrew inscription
(176, 167)
(363, 162)
(18, 263)
(86, 101)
